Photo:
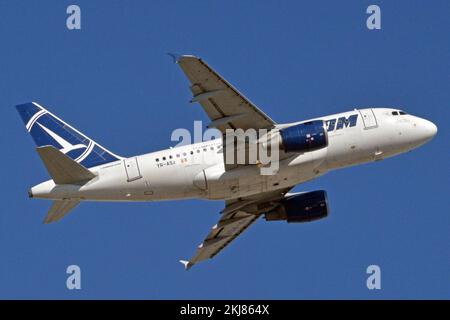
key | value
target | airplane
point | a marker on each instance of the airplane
(83, 170)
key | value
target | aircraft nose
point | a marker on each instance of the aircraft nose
(429, 129)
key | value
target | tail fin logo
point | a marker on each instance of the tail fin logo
(47, 129)
(66, 146)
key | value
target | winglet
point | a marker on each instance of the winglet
(187, 264)
(175, 56)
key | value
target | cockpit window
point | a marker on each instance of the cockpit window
(396, 113)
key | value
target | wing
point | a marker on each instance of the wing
(226, 107)
(237, 216)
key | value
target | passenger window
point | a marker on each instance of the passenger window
(157, 159)
(184, 154)
(170, 157)
(164, 158)
(402, 113)
(192, 152)
(198, 150)
(178, 155)
(394, 113)
(204, 149)
(212, 148)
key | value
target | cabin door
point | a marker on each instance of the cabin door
(369, 119)
(132, 169)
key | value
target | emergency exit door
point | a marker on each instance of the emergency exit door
(369, 119)
(132, 169)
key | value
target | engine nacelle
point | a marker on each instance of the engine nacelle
(301, 207)
(303, 137)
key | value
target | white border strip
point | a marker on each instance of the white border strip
(34, 118)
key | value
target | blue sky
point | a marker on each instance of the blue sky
(113, 81)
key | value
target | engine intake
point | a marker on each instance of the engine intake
(301, 207)
(308, 136)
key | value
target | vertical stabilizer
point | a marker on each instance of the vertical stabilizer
(46, 129)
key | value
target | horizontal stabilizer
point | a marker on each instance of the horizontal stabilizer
(61, 168)
(59, 209)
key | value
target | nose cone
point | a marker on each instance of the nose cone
(411, 132)
(428, 129)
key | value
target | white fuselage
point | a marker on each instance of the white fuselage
(198, 170)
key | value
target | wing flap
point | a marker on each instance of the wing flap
(237, 216)
(222, 234)
(224, 104)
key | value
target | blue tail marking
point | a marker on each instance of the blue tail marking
(47, 129)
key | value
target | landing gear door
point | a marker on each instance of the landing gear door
(132, 169)
(369, 119)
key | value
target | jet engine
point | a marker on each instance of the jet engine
(301, 207)
(303, 137)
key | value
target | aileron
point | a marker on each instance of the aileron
(237, 216)
(223, 103)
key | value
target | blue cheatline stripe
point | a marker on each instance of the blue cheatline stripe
(47, 129)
